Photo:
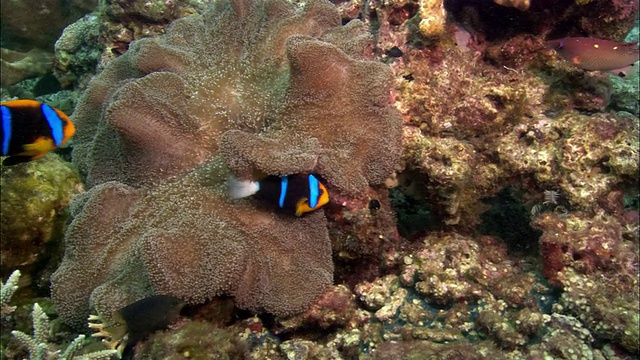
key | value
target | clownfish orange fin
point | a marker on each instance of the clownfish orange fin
(302, 206)
(38, 148)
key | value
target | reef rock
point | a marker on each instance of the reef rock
(251, 86)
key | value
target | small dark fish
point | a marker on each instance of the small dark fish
(394, 52)
(596, 54)
(31, 129)
(149, 315)
(297, 194)
(136, 321)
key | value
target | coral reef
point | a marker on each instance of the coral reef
(514, 180)
(444, 145)
(293, 83)
(585, 157)
(624, 90)
(333, 309)
(420, 349)
(549, 18)
(363, 235)
(590, 259)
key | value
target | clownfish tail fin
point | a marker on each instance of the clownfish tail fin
(238, 188)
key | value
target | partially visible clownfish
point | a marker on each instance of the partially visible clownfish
(296, 194)
(30, 129)
(596, 54)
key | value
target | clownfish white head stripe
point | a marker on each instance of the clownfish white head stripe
(238, 188)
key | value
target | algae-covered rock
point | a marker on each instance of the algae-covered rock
(34, 200)
(195, 340)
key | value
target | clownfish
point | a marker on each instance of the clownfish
(297, 194)
(596, 54)
(31, 129)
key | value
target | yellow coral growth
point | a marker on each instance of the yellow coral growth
(521, 5)
(433, 17)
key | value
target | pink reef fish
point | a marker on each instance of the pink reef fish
(596, 54)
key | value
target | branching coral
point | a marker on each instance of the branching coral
(263, 86)
(6, 292)
(39, 348)
(38, 344)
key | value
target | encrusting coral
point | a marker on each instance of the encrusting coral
(433, 17)
(157, 125)
(35, 196)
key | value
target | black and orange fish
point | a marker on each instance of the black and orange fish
(297, 194)
(596, 54)
(31, 129)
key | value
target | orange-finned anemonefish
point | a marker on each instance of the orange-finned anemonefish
(297, 194)
(31, 129)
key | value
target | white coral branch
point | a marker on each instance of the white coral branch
(6, 292)
(38, 346)
(41, 326)
(98, 355)
(26, 341)
(73, 348)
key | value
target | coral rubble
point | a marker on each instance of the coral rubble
(161, 125)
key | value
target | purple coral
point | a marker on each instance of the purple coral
(250, 85)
